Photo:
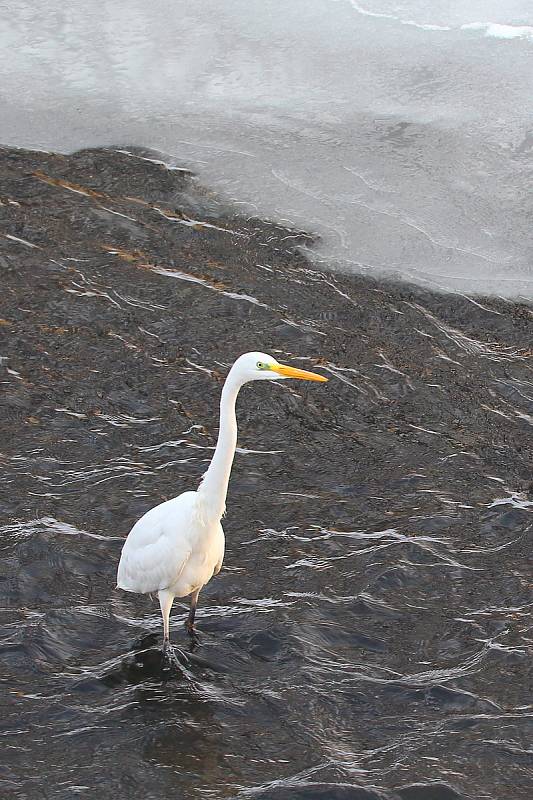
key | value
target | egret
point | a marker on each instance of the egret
(177, 546)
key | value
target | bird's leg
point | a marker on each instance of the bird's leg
(189, 623)
(165, 601)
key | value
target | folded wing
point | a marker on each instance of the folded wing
(158, 546)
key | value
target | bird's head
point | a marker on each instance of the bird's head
(261, 367)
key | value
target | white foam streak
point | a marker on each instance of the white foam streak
(497, 31)
(494, 30)
(380, 15)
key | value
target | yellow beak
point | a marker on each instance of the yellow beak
(301, 374)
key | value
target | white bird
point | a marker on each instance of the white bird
(177, 546)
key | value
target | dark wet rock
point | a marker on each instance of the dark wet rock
(327, 791)
(266, 645)
(440, 696)
(429, 791)
(16, 400)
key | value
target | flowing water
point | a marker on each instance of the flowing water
(370, 633)
(369, 637)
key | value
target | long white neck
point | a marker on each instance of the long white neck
(214, 486)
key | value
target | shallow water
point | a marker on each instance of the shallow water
(369, 637)
(399, 131)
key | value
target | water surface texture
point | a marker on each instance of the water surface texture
(369, 637)
(400, 131)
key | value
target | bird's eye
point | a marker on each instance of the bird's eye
(260, 365)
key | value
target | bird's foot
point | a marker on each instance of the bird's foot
(171, 659)
(192, 631)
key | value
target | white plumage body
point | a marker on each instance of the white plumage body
(174, 546)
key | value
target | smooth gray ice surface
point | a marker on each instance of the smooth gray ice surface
(401, 132)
